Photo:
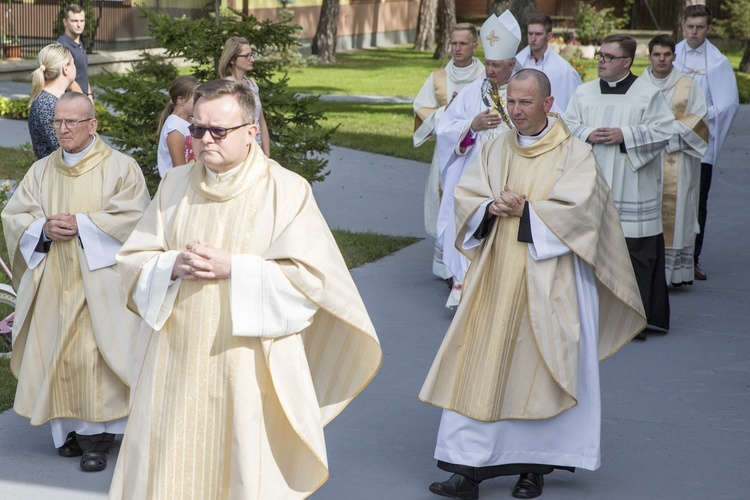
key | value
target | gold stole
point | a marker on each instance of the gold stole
(672, 160)
(440, 87)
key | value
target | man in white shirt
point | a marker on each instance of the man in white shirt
(539, 55)
(699, 58)
(429, 107)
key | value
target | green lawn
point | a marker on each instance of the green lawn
(398, 72)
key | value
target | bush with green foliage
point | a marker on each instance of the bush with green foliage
(593, 25)
(92, 24)
(298, 140)
(16, 108)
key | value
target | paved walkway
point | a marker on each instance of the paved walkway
(676, 408)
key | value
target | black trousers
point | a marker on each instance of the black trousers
(647, 256)
(706, 174)
(479, 474)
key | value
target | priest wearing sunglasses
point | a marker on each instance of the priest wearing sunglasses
(254, 335)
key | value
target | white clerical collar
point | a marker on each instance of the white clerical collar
(614, 84)
(71, 159)
(527, 140)
(216, 178)
(700, 49)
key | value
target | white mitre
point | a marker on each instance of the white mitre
(500, 37)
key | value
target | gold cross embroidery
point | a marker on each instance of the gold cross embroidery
(492, 38)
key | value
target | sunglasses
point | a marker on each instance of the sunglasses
(217, 133)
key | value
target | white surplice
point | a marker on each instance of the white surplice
(634, 176)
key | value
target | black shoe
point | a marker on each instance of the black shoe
(529, 485)
(70, 448)
(458, 486)
(93, 461)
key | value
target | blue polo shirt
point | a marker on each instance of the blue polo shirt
(80, 59)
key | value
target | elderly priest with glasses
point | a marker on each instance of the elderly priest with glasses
(71, 338)
(256, 336)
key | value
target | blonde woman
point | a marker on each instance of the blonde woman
(236, 61)
(55, 73)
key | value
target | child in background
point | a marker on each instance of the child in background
(174, 123)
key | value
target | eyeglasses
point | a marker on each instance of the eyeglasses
(217, 133)
(247, 56)
(608, 57)
(71, 124)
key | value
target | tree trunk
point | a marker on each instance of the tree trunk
(677, 23)
(521, 10)
(324, 43)
(446, 21)
(745, 62)
(426, 25)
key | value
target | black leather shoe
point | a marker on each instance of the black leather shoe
(529, 485)
(93, 461)
(698, 273)
(70, 448)
(457, 486)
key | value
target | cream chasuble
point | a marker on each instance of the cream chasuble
(512, 350)
(218, 414)
(72, 332)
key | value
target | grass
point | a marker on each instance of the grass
(378, 128)
(7, 385)
(398, 72)
(361, 248)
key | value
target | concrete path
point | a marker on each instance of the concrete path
(676, 408)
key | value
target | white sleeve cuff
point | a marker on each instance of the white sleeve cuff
(29, 242)
(155, 291)
(100, 248)
(263, 301)
(546, 245)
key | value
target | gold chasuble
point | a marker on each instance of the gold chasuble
(217, 416)
(512, 349)
(72, 332)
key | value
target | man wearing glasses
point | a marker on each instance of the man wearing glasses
(628, 123)
(256, 335)
(63, 227)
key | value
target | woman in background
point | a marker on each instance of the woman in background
(236, 61)
(55, 73)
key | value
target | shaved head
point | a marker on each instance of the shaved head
(542, 82)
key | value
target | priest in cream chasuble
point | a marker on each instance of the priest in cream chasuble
(256, 335)
(72, 332)
(550, 291)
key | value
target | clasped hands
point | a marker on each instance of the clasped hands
(61, 227)
(202, 261)
(606, 135)
(508, 204)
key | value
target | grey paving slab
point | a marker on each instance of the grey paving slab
(676, 408)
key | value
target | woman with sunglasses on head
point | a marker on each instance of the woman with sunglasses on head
(49, 81)
(236, 61)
